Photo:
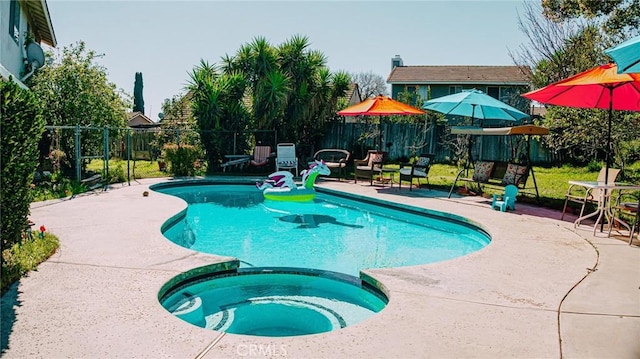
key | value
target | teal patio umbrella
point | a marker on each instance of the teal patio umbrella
(626, 55)
(475, 104)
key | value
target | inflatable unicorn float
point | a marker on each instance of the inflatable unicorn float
(281, 187)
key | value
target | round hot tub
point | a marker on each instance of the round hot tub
(271, 302)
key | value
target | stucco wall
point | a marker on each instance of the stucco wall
(11, 52)
(11, 56)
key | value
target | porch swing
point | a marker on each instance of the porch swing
(500, 173)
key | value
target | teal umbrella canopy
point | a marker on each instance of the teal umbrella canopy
(626, 55)
(475, 104)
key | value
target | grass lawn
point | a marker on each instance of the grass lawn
(21, 258)
(137, 169)
(552, 181)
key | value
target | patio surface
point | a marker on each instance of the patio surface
(541, 289)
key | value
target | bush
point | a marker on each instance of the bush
(22, 126)
(182, 159)
(594, 166)
(116, 174)
(25, 256)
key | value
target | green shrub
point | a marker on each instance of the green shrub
(182, 159)
(25, 256)
(594, 166)
(116, 174)
(22, 126)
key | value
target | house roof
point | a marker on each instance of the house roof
(138, 118)
(38, 13)
(353, 94)
(490, 75)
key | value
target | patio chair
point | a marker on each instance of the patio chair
(261, 156)
(507, 200)
(286, 157)
(370, 166)
(419, 169)
(334, 158)
(627, 205)
(582, 195)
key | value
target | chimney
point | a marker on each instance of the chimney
(396, 61)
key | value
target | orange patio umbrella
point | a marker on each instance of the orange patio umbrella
(380, 106)
(600, 87)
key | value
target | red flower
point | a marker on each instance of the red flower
(42, 229)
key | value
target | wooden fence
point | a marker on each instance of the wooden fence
(402, 141)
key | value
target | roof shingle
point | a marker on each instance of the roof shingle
(458, 74)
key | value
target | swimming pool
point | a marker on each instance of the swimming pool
(331, 233)
(270, 301)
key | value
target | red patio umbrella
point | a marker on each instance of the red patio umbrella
(380, 106)
(600, 87)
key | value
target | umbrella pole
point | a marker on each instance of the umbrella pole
(607, 156)
(380, 134)
(473, 112)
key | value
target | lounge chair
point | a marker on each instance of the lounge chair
(582, 195)
(286, 157)
(94, 182)
(261, 156)
(419, 169)
(507, 200)
(370, 166)
(239, 161)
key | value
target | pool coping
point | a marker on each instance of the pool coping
(538, 285)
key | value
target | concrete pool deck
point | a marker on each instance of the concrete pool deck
(541, 289)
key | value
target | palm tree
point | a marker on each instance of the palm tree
(304, 69)
(289, 87)
(218, 108)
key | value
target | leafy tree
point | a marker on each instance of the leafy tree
(555, 51)
(177, 124)
(74, 90)
(617, 18)
(22, 125)
(561, 45)
(138, 99)
(370, 84)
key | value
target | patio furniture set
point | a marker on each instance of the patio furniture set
(613, 201)
(371, 167)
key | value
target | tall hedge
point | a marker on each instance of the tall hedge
(138, 99)
(21, 126)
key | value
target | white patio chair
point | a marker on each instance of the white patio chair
(286, 157)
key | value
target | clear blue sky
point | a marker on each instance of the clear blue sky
(165, 39)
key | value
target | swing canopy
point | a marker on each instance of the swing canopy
(499, 131)
(499, 169)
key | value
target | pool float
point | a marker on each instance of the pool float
(281, 187)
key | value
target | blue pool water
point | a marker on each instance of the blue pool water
(331, 233)
(271, 303)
